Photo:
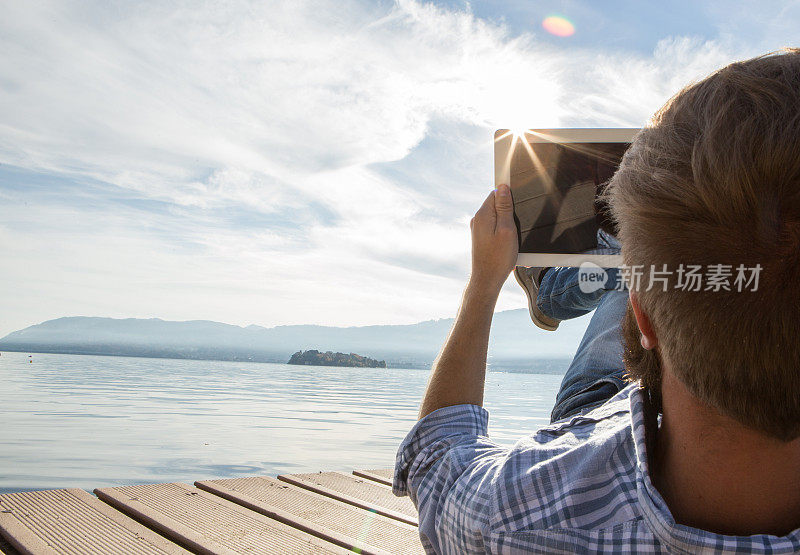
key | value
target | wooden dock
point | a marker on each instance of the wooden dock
(327, 512)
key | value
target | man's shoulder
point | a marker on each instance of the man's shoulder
(579, 473)
(612, 414)
(606, 426)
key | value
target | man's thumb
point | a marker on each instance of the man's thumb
(503, 205)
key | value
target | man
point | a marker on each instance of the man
(698, 450)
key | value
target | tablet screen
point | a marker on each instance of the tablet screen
(555, 176)
(554, 193)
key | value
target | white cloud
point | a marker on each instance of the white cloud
(269, 129)
(624, 90)
(281, 90)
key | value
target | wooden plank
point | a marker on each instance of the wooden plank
(382, 476)
(360, 492)
(342, 523)
(206, 523)
(5, 547)
(72, 521)
(20, 536)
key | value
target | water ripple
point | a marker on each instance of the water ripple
(89, 421)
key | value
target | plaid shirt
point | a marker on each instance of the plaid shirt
(576, 486)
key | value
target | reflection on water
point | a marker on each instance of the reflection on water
(90, 421)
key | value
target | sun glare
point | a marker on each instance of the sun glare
(558, 26)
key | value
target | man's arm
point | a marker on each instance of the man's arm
(459, 371)
(446, 462)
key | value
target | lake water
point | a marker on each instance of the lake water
(92, 421)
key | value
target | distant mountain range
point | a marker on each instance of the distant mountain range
(514, 344)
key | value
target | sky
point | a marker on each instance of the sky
(302, 161)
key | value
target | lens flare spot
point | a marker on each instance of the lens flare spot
(558, 26)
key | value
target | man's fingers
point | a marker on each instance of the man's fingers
(488, 205)
(486, 213)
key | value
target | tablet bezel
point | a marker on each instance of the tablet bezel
(504, 143)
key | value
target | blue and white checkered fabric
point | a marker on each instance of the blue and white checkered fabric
(576, 486)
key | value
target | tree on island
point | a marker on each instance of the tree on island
(314, 357)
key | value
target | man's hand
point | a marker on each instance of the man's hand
(459, 371)
(494, 242)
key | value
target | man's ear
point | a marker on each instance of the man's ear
(649, 339)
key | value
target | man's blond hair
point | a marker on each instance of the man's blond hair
(714, 179)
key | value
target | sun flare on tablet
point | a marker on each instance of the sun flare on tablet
(526, 133)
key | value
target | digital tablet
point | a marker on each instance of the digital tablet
(554, 176)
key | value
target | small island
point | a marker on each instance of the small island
(313, 357)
